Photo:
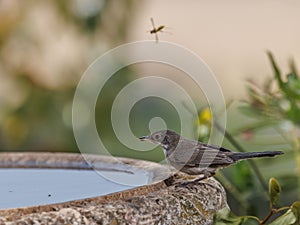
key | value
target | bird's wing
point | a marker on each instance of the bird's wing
(216, 147)
(152, 22)
(203, 155)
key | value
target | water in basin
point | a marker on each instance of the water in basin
(32, 187)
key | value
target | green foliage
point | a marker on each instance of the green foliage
(274, 191)
(273, 110)
(225, 216)
(290, 217)
(279, 103)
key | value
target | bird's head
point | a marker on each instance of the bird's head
(165, 138)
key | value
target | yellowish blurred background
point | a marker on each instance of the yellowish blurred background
(230, 36)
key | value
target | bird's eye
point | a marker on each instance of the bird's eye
(156, 136)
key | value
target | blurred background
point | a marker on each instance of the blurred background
(45, 47)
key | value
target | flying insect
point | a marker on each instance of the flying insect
(156, 30)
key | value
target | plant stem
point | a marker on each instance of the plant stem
(253, 165)
(233, 190)
(296, 146)
(272, 211)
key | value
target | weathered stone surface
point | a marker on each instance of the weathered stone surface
(191, 204)
(151, 204)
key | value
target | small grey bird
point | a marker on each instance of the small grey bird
(194, 157)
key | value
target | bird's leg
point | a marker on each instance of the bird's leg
(170, 180)
(206, 174)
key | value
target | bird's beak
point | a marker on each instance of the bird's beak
(144, 138)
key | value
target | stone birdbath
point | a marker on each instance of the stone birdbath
(62, 188)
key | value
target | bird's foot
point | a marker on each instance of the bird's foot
(193, 182)
(170, 181)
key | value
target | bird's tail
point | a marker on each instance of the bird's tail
(248, 155)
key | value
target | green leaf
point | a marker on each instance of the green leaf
(290, 217)
(293, 86)
(293, 67)
(296, 210)
(276, 70)
(287, 218)
(226, 217)
(274, 191)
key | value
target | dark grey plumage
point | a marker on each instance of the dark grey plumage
(193, 157)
